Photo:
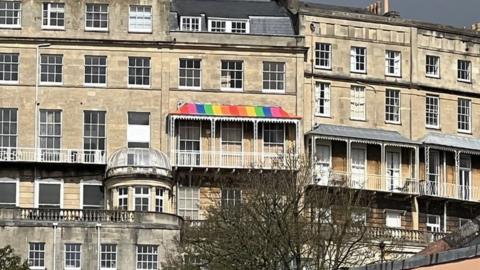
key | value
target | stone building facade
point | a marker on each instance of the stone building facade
(118, 117)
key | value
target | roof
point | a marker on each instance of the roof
(369, 134)
(453, 141)
(351, 13)
(228, 8)
(416, 262)
(220, 110)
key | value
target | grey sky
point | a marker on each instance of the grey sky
(460, 13)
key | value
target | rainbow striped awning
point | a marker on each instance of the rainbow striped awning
(206, 109)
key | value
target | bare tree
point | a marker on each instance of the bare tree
(282, 222)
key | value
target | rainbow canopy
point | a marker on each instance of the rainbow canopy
(202, 109)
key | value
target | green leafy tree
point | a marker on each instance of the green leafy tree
(10, 261)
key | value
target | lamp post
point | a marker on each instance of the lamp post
(37, 79)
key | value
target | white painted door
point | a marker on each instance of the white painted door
(433, 174)
(358, 167)
(322, 164)
(465, 177)
(393, 170)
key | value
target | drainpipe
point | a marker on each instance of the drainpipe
(98, 245)
(55, 224)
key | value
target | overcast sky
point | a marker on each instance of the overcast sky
(460, 13)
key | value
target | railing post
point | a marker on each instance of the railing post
(255, 138)
(383, 171)
(212, 143)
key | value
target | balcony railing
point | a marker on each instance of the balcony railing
(17, 154)
(84, 215)
(218, 159)
(367, 181)
(404, 235)
(449, 190)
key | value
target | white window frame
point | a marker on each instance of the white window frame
(16, 181)
(434, 227)
(186, 23)
(322, 87)
(84, 183)
(11, 55)
(92, 28)
(47, 123)
(228, 71)
(193, 193)
(49, 11)
(121, 197)
(435, 113)
(193, 87)
(464, 110)
(355, 55)
(159, 199)
(393, 103)
(18, 16)
(323, 49)
(134, 27)
(143, 68)
(141, 196)
(273, 127)
(275, 72)
(73, 252)
(9, 123)
(393, 219)
(90, 84)
(394, 57)
(49, 181)
(228, 25)
(432, 63)
(358, 216)
(225, 128)
(105, 248)
(36, 251)
(227, 201)
(464, 67)
(358, 101)
(134, 129)
(152, 254)
(54, 73)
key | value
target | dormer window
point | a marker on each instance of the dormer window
(229, 26)
(190, 24)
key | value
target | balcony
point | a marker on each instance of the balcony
(404, 235)
(87, 216)
(451, 191)
(234, 160)
(372, 182)
(76, 156)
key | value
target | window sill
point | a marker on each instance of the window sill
(95, 85)
(96, 30)
(236, 90)
(358, 119)
(433, 76)
(393, 123)
(323, 68)
(433, 127)
(464, 81)
(139, 86)
(53, 28)
(323, 116)
(189, 88)
(393, 76)
(12, 27)
(9, 82)
(50, 84)
(273, 91)
(358, 72)
(140, 31)
(465, 132)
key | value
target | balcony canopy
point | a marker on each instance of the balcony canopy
(362, 134)
(240, 111)
(452, 141)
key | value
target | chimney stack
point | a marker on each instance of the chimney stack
(379, 7)
(476, 27)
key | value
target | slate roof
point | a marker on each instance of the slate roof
(228, 8)
(360, 133)
(451, 141)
